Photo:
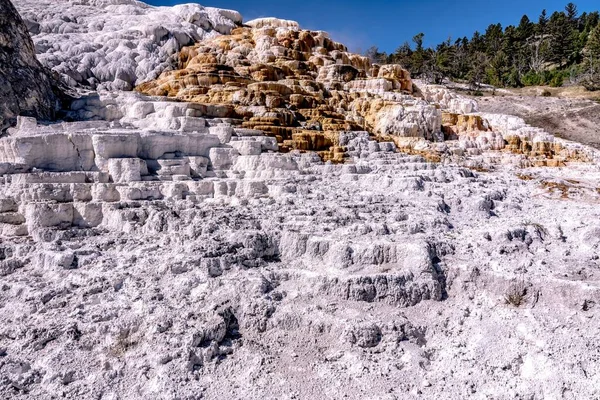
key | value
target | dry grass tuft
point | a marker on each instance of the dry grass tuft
(525, 177)
(517, 293)
(560, 187)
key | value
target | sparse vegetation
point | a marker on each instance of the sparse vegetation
(517, 294)
(557, 186)
(525, 177)
(124, 341)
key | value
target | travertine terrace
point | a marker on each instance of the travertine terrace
(267, 216)
(303, 88)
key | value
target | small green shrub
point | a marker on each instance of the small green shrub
(554, 78)
(531, 79)
(557, 81)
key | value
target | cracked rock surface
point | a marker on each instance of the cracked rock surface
(160, 249)
(384, 278)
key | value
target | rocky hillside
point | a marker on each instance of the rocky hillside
(299, 86)
(268, 216)
(304, 89)
(570, 113)
(25, 87)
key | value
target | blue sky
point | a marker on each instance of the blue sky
(387, 24)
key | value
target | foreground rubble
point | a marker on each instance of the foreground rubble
(385, 277)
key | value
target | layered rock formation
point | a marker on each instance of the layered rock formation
(304, 89)
(175, 263)
(25, 87)
(270, 76)
(298, 86)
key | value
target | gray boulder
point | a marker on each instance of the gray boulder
(25, 87)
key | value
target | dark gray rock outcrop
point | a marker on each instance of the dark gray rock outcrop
(25, 86)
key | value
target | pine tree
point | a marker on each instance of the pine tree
(493, 38)
(571, 10)
(444, 54)
(578, 41)
(562, 44)
(592, 60)
(429, 68)
(419, 57)
(403, 56)
(591, 21)
(476, 74)
(593, 44)
(498, 69)
(477, 43)
(530, 53)
(418, 41)
(542, 22)
(516, 46)
(525, 28)
(511, 41)
(460, 58)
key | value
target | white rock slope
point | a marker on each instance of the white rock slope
(116, 44)
(161, 250)
(141, 263)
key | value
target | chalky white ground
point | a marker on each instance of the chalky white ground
(160, 254)
(382, 278)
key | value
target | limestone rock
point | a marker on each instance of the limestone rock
(447, 99)
(127, 169)
(274, 77)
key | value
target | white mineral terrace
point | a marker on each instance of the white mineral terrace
(158, 249)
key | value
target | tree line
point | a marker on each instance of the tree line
(557, 49)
